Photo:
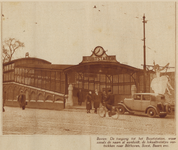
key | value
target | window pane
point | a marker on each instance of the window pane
(62, 87)
(121, 90)
(53, 85)
(86, 76)
(48, 74)
(58, 76)
(80, 76)
(133, 76)
(127, 89)
(109, 79)
(102, 87)
(38, 73)
(62, 77)
(146, 97)
(58, 86)
(10, 67)
(26, 80)
(115, 78)
(39, 83)
(102, 78)
(91, 78)
(137, 97)
(32, 81)
(22, 79)
(53, 75)
(13, 66)
(80, 84)
(97, 86)
(121, 79)
(115, 90)
(18, 79)
(36, 82)
(47, 85)
(76, 85)
(126, 78)
(97, 78)
(109, 87)
(13, 76)
(85, 85)
(91, 86)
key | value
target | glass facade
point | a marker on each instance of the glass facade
(44, 79)
(54, 79)
(119, 84)
(9, 72)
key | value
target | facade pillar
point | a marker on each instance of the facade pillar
(69, 102)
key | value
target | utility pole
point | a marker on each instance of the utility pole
(144, 55)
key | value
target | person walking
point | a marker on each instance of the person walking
(22, 100)
(88, 102)
(97, 100)
(80, 97)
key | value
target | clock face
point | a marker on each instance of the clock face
(98, 51)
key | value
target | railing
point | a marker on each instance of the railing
(57, 101)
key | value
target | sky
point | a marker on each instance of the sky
(64, 32)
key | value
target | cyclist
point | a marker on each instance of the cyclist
(109, 102)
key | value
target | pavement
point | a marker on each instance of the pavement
(77, 122)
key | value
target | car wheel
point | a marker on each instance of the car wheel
(121, 109)
(163, 115)
(151, 112)
(169, 110)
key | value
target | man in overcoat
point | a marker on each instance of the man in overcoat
(89, 102)
(96, 99)
(22, 100)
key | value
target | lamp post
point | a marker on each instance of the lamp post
(144, 55)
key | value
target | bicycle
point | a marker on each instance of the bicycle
(102, 111)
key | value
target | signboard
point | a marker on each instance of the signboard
(106, 58)
(99, 55)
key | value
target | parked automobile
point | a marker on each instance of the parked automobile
(148, 103)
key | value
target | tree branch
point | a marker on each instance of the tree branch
(9, 48)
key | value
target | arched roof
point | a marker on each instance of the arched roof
(29, 60)
(102, 67)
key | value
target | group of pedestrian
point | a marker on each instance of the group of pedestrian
(98, 99)
(93, 98)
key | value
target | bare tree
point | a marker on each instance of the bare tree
(9, 47)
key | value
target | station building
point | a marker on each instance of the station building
(48, 85)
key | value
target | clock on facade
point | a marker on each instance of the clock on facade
(99, 51)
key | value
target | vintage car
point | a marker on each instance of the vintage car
(149, 103)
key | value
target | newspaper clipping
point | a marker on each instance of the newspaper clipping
(90, 75)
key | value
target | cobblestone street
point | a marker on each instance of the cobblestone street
(77, 122)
